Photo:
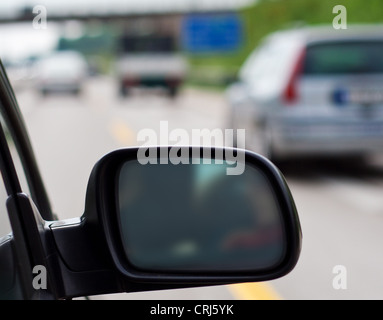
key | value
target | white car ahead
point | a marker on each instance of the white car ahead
(63, 71)
(312, 91)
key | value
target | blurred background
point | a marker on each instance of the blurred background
(89, 75)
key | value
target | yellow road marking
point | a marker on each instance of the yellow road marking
(122, 133)
(254, 291)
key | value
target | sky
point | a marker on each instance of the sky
(20, 41)
(11, 7)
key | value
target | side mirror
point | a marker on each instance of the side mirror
(176, 217)
(194, 215)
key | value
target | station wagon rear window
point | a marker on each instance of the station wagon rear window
(342, 58)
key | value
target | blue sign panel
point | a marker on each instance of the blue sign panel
(205, 33)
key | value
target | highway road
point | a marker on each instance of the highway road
(340, 203)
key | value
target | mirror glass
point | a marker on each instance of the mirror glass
(196, 217)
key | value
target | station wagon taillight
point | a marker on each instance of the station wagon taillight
(290, 94)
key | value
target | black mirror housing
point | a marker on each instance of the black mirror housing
(101, 212)
(94, 252)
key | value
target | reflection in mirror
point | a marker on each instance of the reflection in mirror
(197, 218)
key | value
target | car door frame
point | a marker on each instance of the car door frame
(24, 247)
(13, 117)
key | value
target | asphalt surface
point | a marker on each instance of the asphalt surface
(340, 202)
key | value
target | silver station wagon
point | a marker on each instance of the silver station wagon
(312, 91)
